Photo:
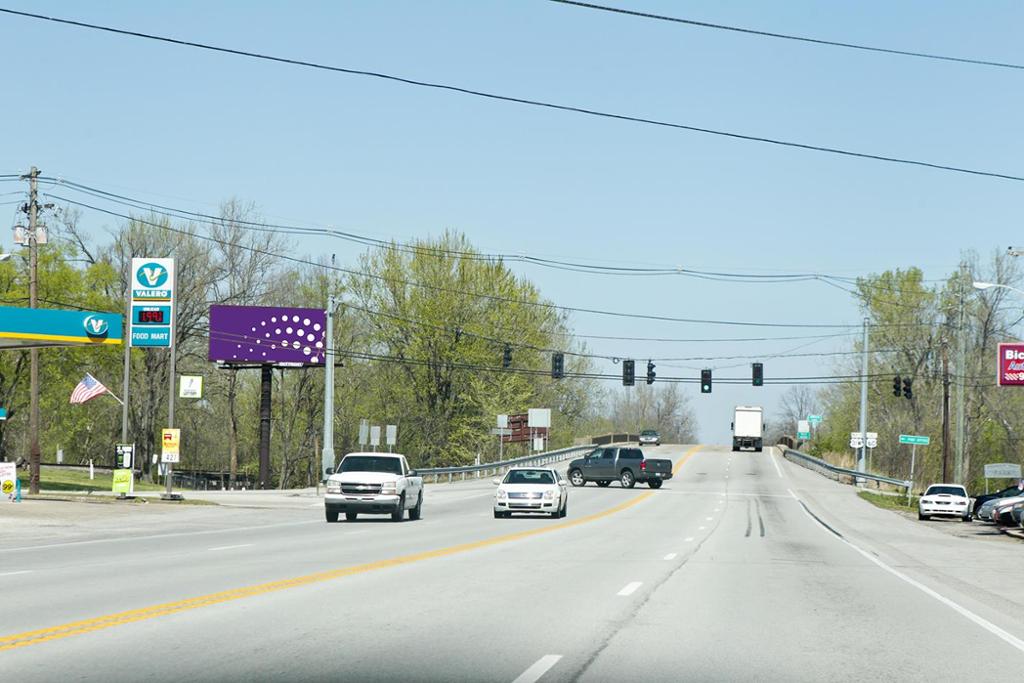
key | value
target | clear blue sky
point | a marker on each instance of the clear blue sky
(193, 128)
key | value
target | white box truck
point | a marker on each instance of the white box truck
(747, 428)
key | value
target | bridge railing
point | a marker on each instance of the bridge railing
(835, 472)
(495, 468)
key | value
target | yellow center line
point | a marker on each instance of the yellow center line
(98, 623)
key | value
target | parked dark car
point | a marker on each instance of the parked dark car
(624, 465)
(1015, 490)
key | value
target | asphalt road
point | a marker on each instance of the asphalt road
(723, 574)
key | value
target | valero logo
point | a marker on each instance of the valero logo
(151, 275)
(95, 326)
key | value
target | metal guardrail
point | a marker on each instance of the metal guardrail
(810, 462)
(464, 472)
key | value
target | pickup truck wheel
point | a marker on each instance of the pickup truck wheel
(576, 478)
(399, 512)
(603, 484)
(655, 483)
(351, 516)
(627, 479)
(417, 511)
(332, 515)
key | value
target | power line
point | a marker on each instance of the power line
(519, 100)
(480, 295)
(787, 36)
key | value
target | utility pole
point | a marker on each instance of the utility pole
(961, 371)
(862, 456)
(327, 456)
(33, 267)
(172, 349)
(945, 411)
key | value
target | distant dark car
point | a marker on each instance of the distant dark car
(1015, 490)
(624, 465)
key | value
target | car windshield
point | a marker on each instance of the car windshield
(951, 490)
(529, 477)
(370, 463)
(648, 432)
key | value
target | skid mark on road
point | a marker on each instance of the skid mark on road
(119, 618)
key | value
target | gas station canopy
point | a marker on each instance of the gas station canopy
(24, 328)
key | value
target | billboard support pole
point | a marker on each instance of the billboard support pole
(266, 375)
(169, 477)
(127, 361)
(327, 457)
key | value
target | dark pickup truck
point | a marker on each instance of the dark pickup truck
(624, 465)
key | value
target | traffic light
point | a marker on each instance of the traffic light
(758, 378)
(650, 372)
(896, 386)
(705, 381)
(628, 368)
(906, 388)
(506, 358)
(557, 365)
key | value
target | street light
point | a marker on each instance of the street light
(989, 285)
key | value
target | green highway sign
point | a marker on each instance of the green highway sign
(814, 419)
(914, 440)
(803, 435)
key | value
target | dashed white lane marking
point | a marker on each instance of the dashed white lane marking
(670, 556)
(1013, 640)
(689, 539)
(231, 547)
(702, 528)
(775, 462)
(708, 519)
(24, 571)
(538, 669)
(630, 588)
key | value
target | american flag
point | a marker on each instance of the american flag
(88, 388)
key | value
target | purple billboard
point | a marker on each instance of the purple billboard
(267, 334)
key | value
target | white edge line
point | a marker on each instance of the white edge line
(24, 571)
(630, 588)
(775, 462)
(178, 534)
(231, 547)
(538, 669)
(670, 556)
(984, 623)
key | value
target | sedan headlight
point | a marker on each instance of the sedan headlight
(502, 494)
(549, 494)
(389, 488)
(334, 487)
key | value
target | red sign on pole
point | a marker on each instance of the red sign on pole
(519, 424)
(1011, 365)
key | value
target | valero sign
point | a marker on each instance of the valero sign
(152, 303)
(1011, 365)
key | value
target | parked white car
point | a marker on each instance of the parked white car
(531, 489)
(373, 483)
(946, 500)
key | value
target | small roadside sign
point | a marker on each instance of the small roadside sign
(364, 432)
(915, 440)
(8, 479)
(803, 429)
(391, 435)
(171, 443)
(125, 455)
(502, 421)
(1002, 470)
(122, 481)
(499, 431)
(190, 386)
(815, 420)
(375, 435)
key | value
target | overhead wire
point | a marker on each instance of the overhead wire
(789, 36)
(520, 100)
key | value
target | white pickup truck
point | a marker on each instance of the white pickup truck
(374, 483)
